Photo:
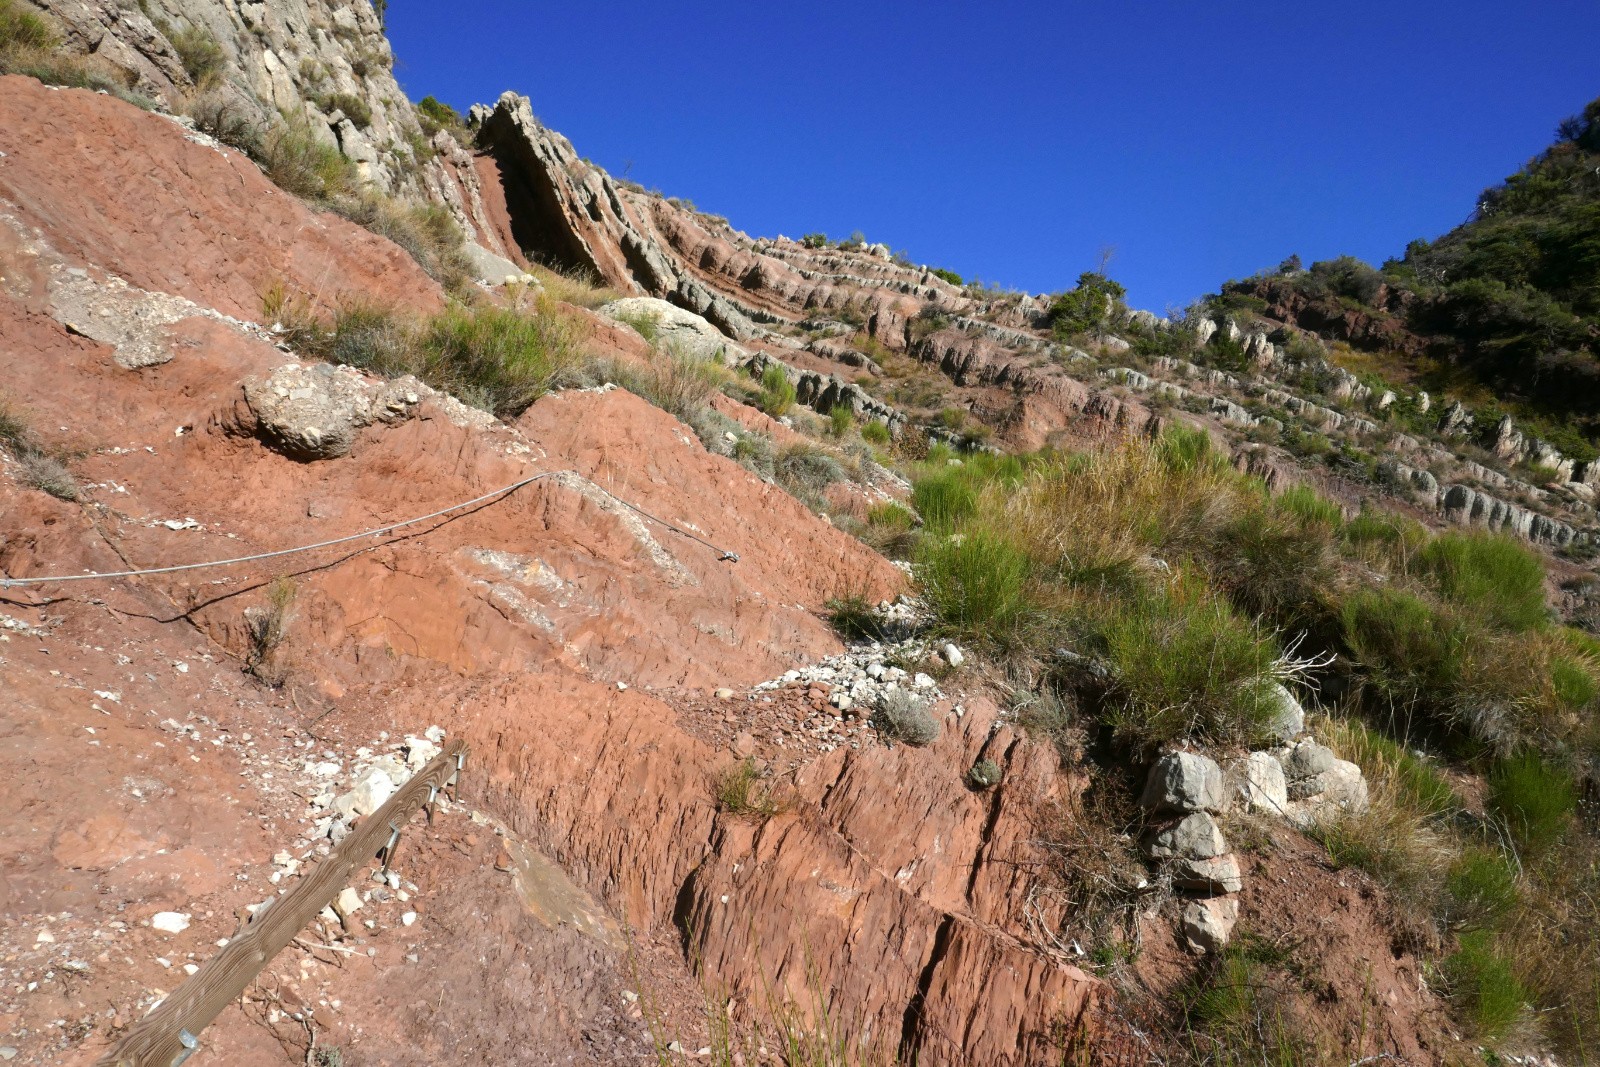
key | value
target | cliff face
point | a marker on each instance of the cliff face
(327, 60)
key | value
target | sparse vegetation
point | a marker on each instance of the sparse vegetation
(426, 231)
(31, 46)
(266, 627)
(500, 359)
(39, 467)
(900, 716)
(745, 791)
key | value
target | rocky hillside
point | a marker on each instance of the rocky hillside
(326, 62)
(855, 666)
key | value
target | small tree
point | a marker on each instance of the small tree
(1085, 307)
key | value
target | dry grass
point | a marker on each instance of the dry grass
(574, 286)
(500, 359)
(746, 791)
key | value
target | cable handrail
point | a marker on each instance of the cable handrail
(7, 582)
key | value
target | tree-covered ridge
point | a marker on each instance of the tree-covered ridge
(1510, 299)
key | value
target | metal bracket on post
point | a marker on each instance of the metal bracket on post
(390, 845)
(428, 805)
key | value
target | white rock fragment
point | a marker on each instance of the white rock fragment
(171, 922)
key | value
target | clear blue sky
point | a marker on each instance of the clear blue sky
(1013, 140)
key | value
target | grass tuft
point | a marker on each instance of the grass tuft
(743, 790)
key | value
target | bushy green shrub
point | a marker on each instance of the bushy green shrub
(804, 468)
(354, 108)
(1413, 652)
(1484, 986)
(202, 57)
(977, 583)
(1086, 306)
(1535, 798)
(944, 498)
(1490, 574)
(21, 28)
(947, 275)
(301, 163)
(499, 359)
(876, 433)
(841, 420)
(744, 791)
(1482, 888)
(777, 392)
(985, 774)
(1186, 665)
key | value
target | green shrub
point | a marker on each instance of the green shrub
(1310, 507)
(947, 275)
(1084, 307)
(1490, 574)
(852, 617)
(815, 240)
(354, 108)
(202, 57)
(976, 583)
(891, 515)
(876, 433)
(1573, 683)
(434, 115)
(1187, 450)
(1185, 665)
(1482, 888)
(1275, 562)
(1411, 651)
(1483, 986)
(944, 498)
(985, 774)
(840, 421)
(777, 392)
(499, 359)
(299, 162)
(21, 28)
(805, 469)
(901, 716)
(1534, 797)
(743, 790)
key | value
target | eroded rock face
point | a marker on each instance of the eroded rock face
(297, 56)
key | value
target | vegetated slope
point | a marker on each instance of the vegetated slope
(805, 854)
(1504, 308)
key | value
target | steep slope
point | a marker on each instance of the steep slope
(569, 638)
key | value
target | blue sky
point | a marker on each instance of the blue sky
(1013, 141)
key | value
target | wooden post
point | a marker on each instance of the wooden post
(169, 1034)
